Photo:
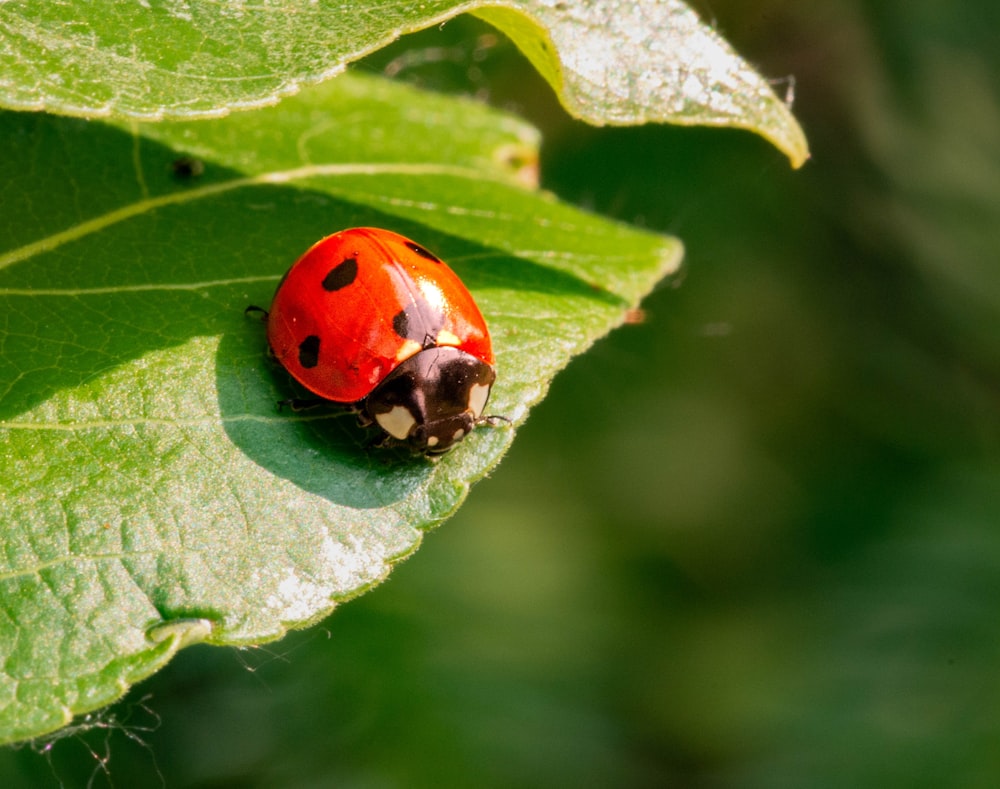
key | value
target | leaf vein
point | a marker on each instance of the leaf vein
(160, 286)
(205, 421)
(145, 206)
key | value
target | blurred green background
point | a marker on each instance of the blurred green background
(753, 541)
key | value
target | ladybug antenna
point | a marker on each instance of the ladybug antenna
(493, 419)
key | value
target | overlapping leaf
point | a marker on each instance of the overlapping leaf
(610, 61)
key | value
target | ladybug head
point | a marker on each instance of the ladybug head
(433, 399)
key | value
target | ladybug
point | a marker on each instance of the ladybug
(371, 320)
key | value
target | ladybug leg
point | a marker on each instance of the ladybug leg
(296, 404)
(255, 310)
(385, 441)
(493, 420)
(364, 418)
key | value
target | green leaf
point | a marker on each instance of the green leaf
(151, 494)
(641, 62)
(609, 62)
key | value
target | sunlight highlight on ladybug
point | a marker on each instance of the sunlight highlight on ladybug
(371, 320)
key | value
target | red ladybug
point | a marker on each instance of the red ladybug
(372, 320)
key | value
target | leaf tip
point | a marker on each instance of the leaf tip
(792, 142)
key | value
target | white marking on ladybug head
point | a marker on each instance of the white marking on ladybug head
(407, 349)
(478, 393)
(397, 423)
(458, 435)
(433, 441)
(446, 337)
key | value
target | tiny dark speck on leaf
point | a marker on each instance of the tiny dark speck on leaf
(185, 167)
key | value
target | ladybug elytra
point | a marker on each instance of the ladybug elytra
(370, 320)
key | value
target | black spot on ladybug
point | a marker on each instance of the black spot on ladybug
(309, 351)
(341, 275)
(422, 252)
(401, 324)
